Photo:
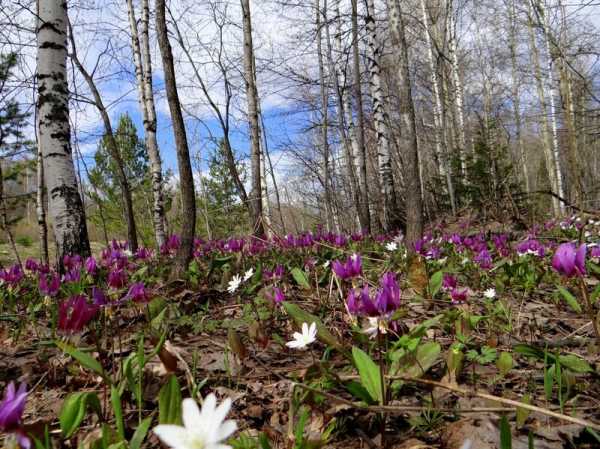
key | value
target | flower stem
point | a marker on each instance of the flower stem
(590, 308)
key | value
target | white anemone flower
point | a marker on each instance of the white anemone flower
(248, 274)
(302, 340)
(375, 326)
(490, 293)
(202, 429)
(391, 246)
(234, 283)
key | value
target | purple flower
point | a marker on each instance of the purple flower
(484, 259)
(75, 313)
(277, 296)
(32, 265)
(449, 282)
(143, 254)
(137, 293)
(91, 266)
(12, 276)
(12, 407)
(72, 262)
(351, 269)
(458, 296)
(385, 301)
(73, 275)
(117, 278)
(569, 260)
(171, 245)
(595, 252)
(99, 297)
(49, 287)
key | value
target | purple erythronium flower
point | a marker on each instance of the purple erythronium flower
(12, 276)
(99, 297)
(449, 282)
(51, 286)
(73, 275)
(277, 297)
(72, 262)
(143, 254)
(531, 246)
(171, 245)
(385, 301)
(595, 251)
(11, 412)
(32, 265)
(138, 293)
(484, 259)
(277, 273)
(458, 296)
(117, 278)
(569, 260)
(351, 269)
(74, 313)
(91, 266)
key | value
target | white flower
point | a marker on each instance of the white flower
(326, 264)
(391, 246)
(234, 283)
(202, 429)
(465, 261)
(302, 340)
(248, 274)
(490, 293)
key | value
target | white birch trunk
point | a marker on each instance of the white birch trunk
(390, 215)
(65, 203)
(143, 73)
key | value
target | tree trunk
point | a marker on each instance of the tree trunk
(143, 73)
(40, 197)
(441, 150)
(252, 99)
(364, 215)
(551, 162)
(457, 88)
(112, 147)
(186, 178)
(391, 217)
(414, 200)
(324, 116)
(4, 220)
(65, 203)
(516, 94)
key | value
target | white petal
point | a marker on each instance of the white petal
(304, 328)
(297, 336)
(226, 429)
(175, 437)
(294, 344)
(191, 413)
(204, 425)
(221, 412)
(313, 330)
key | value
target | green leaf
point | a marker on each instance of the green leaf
(357, 390)
(300, 278)
(115, 400)
(435, 283)
(140, 433)
(504, 363)
(505, 436)
(84, 359)
(415, 364)
(549, 381)
(523, 413)
(73, 411)
(169, 402)
(575, 364)
(570, 299)
(369, 372)
(300, 316)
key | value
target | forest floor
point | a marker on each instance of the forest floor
(520, 365)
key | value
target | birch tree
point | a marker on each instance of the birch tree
(391, 217)
(65, 203)
(143, 72)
